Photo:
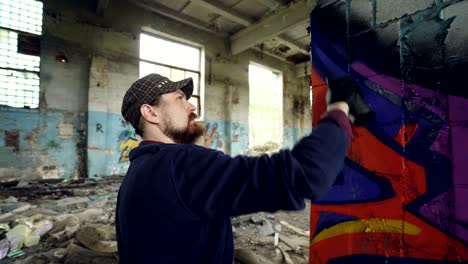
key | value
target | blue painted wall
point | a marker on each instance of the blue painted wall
(233, 138)
(292, 135)
(229, 137)
(31, 144)
(110, 139)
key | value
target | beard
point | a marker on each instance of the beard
(187, 135)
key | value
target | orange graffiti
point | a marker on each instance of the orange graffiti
(211, 137)
(408, 181)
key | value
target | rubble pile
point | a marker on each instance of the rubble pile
(270, 239)
(58, 222)
(72, 221)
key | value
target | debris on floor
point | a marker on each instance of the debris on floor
(58, 221)
(72, 221)
(278, 238)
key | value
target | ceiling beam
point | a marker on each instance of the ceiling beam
(101, 5)
(294, 45)
(224, 11)
(271, 54)
(245, 21)
(271, 4)
(172, 14)
(271, 26)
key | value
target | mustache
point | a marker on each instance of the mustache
(192, 116)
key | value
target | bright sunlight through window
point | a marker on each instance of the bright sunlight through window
(174, 60)
(265, 107)
(20, 30)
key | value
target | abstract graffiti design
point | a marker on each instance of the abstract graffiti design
(400, 196)
(127, 142)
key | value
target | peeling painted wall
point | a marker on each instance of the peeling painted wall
(402, 195)
(37, 144)
(82, 97)
(51, 141)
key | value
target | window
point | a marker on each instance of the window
(20, 30)
(174, 60)
(265, 108)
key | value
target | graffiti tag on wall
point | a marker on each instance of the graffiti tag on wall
(127, 143)
(212, 138)
(397, 199)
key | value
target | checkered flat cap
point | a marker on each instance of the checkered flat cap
(145, 90)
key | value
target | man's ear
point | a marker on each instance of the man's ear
(149, 113)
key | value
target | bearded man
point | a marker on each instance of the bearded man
(176, 200)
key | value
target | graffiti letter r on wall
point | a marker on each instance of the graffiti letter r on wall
(99, 128)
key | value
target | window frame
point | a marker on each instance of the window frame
(201, 72)
(28, 102)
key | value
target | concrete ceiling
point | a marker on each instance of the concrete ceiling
(275, 27)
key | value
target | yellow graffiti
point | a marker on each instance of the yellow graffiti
(367, 226)
(125, 147)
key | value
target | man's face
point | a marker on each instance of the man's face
(178, 118)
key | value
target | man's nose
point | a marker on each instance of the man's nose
(191, 107)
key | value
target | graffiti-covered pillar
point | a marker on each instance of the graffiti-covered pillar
(402, 196)
(110, 138)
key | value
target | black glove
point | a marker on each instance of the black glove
(345, 89)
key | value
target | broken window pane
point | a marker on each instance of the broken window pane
(29, 44)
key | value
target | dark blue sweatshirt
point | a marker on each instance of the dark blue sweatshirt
(175, 203)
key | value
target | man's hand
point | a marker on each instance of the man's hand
(342, 106)
(345, 89)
